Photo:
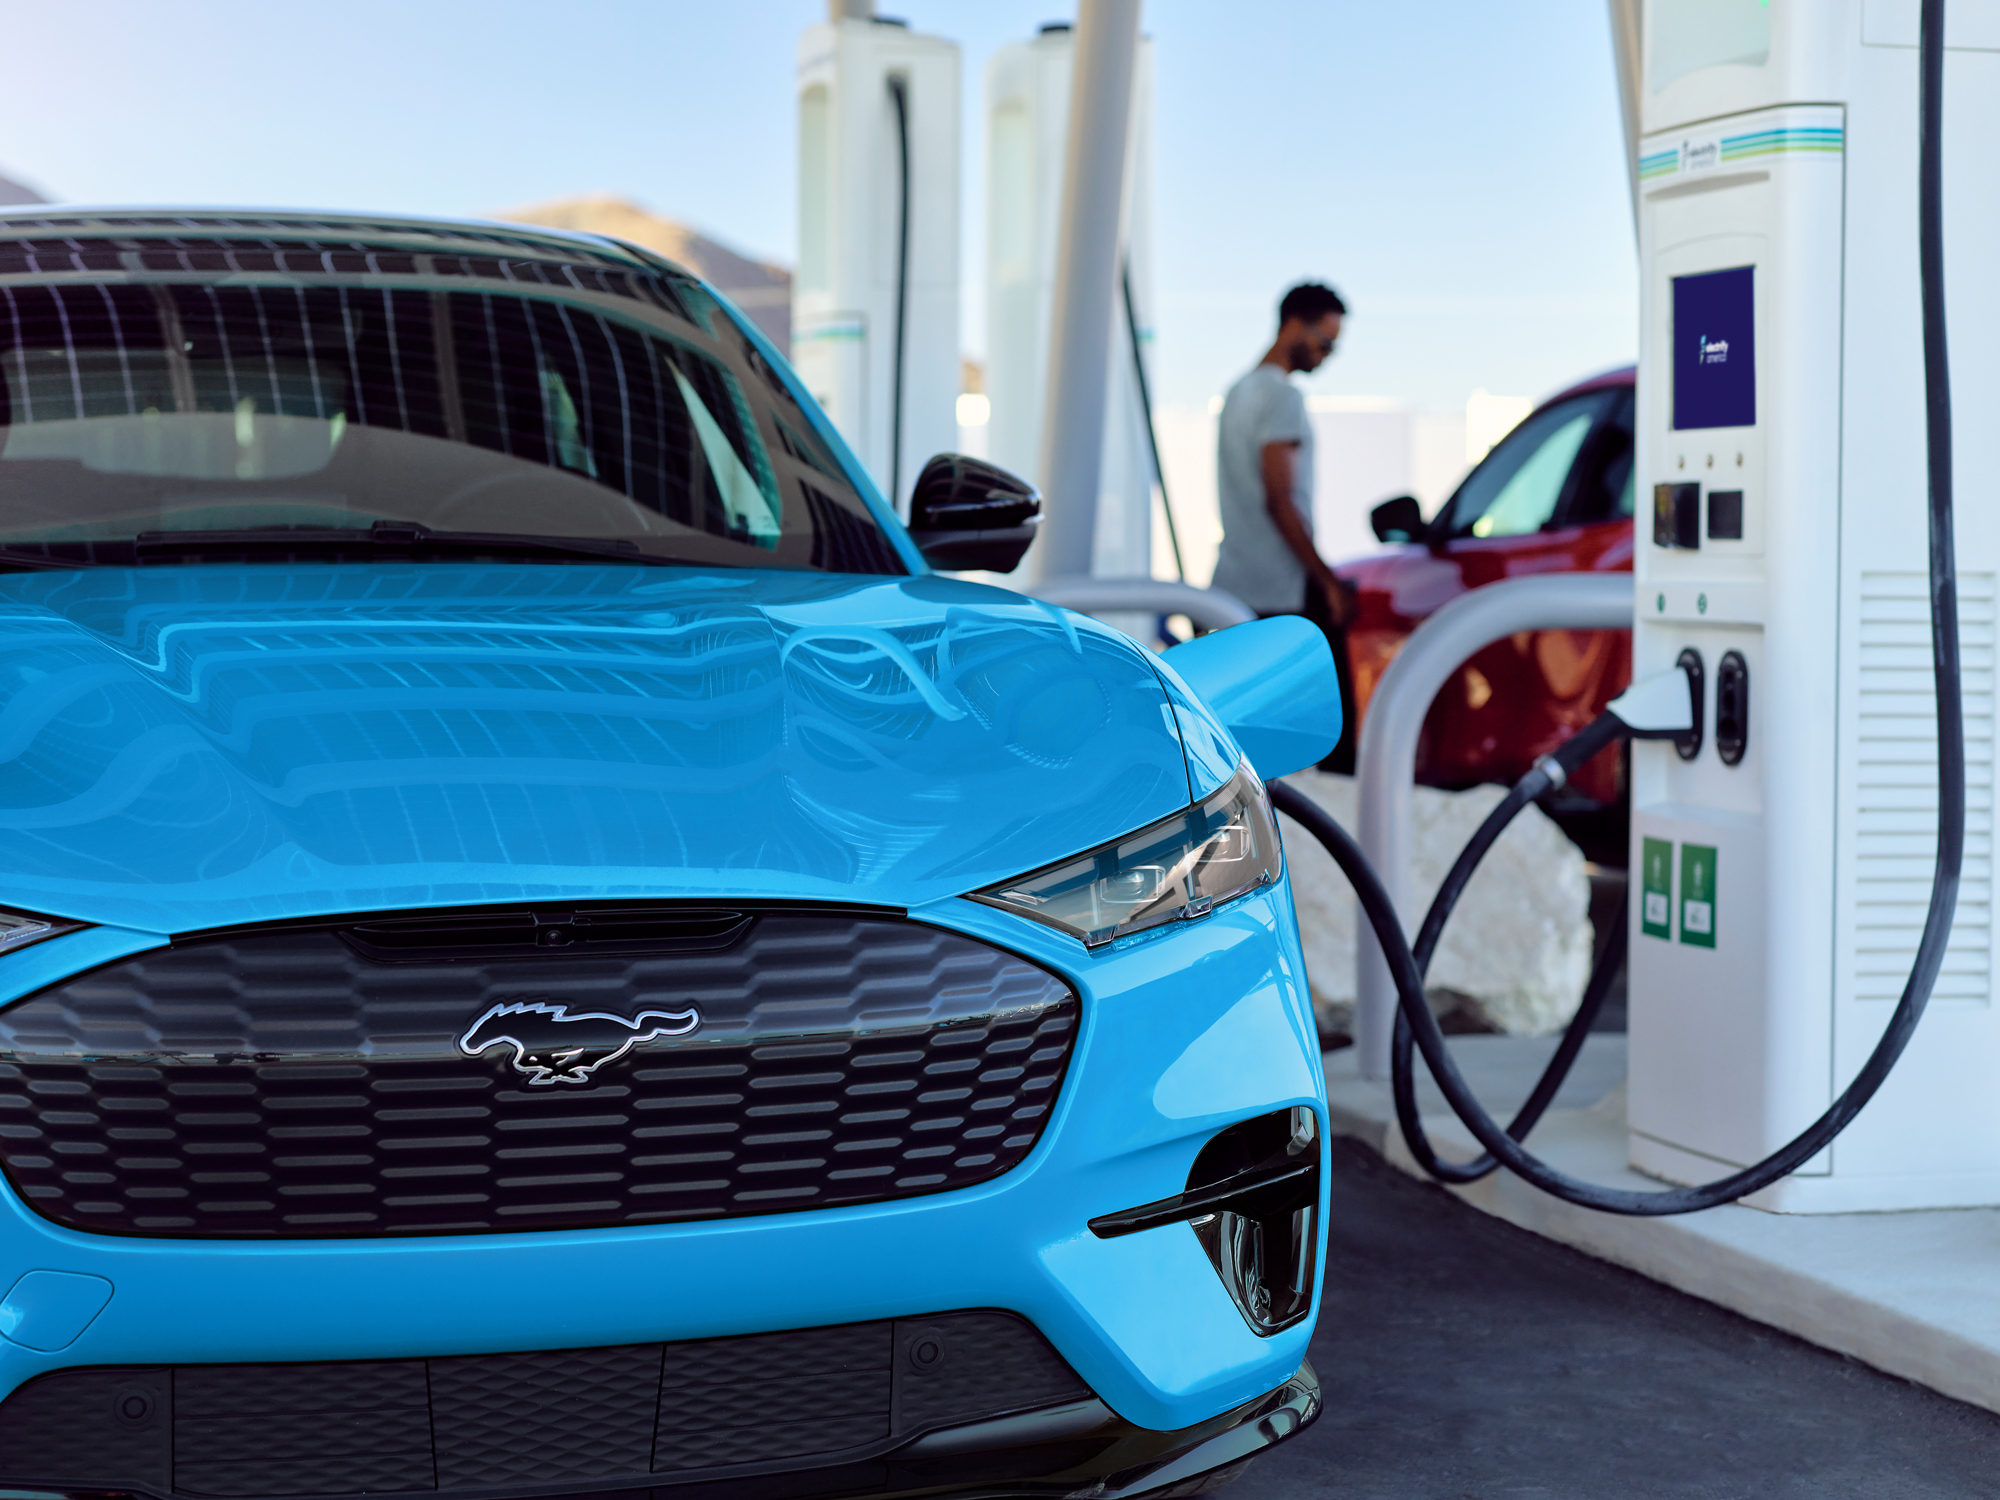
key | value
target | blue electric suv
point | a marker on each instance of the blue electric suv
(546, 952)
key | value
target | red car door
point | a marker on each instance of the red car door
(1555, 495)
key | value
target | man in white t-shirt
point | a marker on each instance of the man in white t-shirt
(1264, 485)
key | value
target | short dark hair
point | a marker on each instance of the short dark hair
(1309, 302)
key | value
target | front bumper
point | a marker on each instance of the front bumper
(1109, 1459)
(1184, 1033)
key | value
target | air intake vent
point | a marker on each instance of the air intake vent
(1896, 784)
(561, 1421)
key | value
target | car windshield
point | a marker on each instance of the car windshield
(1516, 488)
(637, 421)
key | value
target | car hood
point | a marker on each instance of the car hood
(184, 748)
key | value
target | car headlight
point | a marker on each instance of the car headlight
(18, 929)
(1178, 868)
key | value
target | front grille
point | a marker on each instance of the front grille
(576, 1419)
(630, 1066)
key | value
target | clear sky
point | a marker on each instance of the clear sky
(1454, 167)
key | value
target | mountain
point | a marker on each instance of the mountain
(761, 289)
(13, 192)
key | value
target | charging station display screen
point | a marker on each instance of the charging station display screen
(1715, 349)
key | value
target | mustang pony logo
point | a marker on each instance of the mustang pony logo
(552, 1046)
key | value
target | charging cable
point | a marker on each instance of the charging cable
(1655, 709)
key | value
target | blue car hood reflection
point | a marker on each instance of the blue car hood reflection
(191, 747)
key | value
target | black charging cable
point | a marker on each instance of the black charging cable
(1503, 1146)
(1604, 972)
(899, 95)
(1146, 410)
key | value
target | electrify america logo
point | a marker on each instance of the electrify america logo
(551, 1045)
(1710, 351)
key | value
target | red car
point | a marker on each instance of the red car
(1554, 496)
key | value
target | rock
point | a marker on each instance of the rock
(1516, 953)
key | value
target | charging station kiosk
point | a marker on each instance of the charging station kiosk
(1781, 866)
(864, 286)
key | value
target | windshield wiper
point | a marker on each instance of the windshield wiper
(34, 557)
(383, 539)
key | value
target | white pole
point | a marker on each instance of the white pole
(1625, 54)
(1386, 762)
(1100, 114)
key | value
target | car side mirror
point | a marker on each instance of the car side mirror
(1272, 684)
(1398, 520)
(967, 513)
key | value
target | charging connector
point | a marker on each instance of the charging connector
(1666, 706)
(1687, 743)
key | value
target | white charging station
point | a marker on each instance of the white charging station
(1027, 89)
(854, 280)
(1780, 874)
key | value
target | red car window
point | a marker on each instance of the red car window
(1517, 487)
(1603, 488)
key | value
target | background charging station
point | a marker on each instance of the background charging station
(863, 286)
(1780, 869)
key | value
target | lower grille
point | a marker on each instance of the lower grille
(578, 1419)
(421, 1077)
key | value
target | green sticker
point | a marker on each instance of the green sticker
(1656, 891)
(1698, 895)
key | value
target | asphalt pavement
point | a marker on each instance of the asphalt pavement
(1465, 1359)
